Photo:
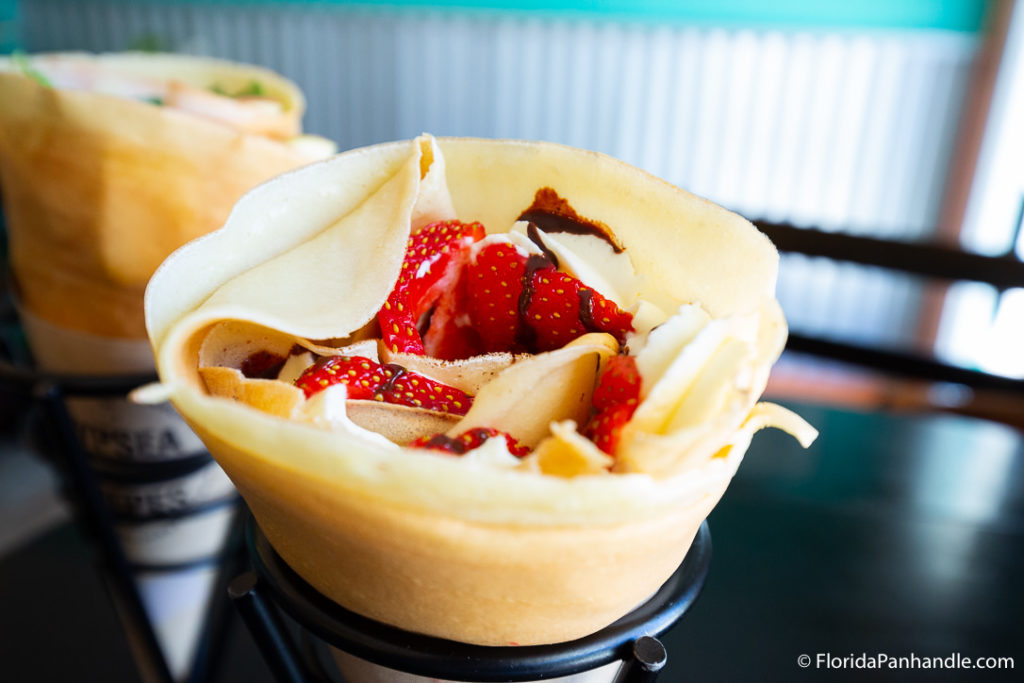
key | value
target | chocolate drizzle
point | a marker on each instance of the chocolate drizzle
(262, 365)
(396, 372)
(459, 446)
(533, 233)
(586, 316)
(525, 335)
(552, 213)
(446, 443)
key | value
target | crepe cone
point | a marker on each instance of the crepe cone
(99, 189)
(462, 548)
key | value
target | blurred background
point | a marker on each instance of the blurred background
(875, 118)
(898, 122)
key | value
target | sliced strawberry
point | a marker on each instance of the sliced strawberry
(494, 282)
(411, 389)
(361, 375)
(561, 308)
(615, 400)
(603, 315)
(490, 299)
(619, 384)
(605, 427)
(450, 335)
(433, 258)
(553, 311)
(469, 440)
(391, 383)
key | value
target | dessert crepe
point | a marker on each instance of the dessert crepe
(561, 527)
(108, 163)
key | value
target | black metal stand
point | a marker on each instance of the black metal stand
(632, 639)
(56, 436)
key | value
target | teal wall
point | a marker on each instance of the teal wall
(965, 16)
(8, 25)
(951, 15)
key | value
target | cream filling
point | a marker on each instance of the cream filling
(327, 409)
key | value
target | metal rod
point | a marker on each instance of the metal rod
(921, 258)
(267, 629)
(57, 438)
(208, 660)
(902, 363)
(97, 518)
(648, 659)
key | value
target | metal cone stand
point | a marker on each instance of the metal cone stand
(121, 502)
(628, 650)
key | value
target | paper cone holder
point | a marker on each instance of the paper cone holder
(57, 438)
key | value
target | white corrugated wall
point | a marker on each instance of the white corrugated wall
(848, 131)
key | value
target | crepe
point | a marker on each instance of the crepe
(478, 549)
(100, 184)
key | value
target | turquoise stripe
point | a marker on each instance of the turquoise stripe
(8, 25)
(950, 15)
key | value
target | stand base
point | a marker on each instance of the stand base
(370, 651)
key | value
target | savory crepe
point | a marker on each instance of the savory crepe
(110, 162)
(340, 345)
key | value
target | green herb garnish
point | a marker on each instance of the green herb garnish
(158, 101)
(21, 61)
(149, 42)
(254, 89)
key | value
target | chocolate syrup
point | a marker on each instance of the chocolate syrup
(534, 235)
(552, 213)
(458, 446)
(586, 316)
(525, 336)
(446, 443)
(396, 372)
(262, 365)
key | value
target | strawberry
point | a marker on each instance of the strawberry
(603, 315)
(490, 299)
(450, 334)
(391, 383)
(433, 258)
(524, 304)
(494, 278)
(561, 308)
(360, 375)
(412, 389)
(469, 440)
(553, 311)
(615, 400)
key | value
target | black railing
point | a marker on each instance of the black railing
(921, 259)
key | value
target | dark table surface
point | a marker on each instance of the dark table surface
(894, 535)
